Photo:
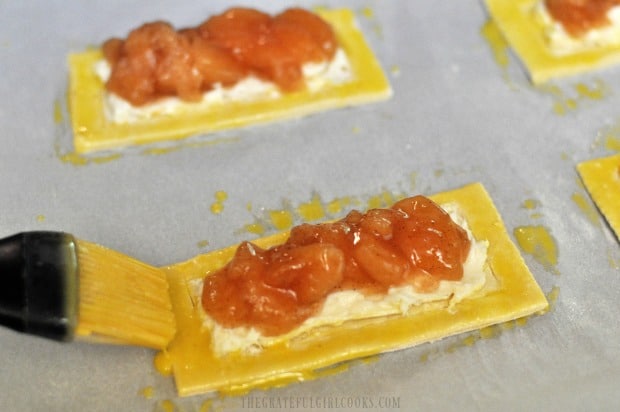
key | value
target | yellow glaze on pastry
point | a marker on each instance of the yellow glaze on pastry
(517, 21)
(91, 130)
(512, 295)
(601, 178)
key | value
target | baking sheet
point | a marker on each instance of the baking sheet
(458, 115)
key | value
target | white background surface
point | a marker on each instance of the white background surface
(456, 117)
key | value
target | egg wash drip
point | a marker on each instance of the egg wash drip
(240, 55)
(379, 263)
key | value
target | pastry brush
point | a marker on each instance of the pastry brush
(58, 287)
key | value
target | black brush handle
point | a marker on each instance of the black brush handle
(39, 284)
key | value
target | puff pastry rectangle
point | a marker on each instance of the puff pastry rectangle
(92, 131)
(524, 32)
(601, 178)
(514, 294)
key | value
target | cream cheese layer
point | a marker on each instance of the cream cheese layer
(316, 75)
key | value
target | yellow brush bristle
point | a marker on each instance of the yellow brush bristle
(122, 299)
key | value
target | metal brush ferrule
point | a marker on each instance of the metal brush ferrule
(39, 284)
